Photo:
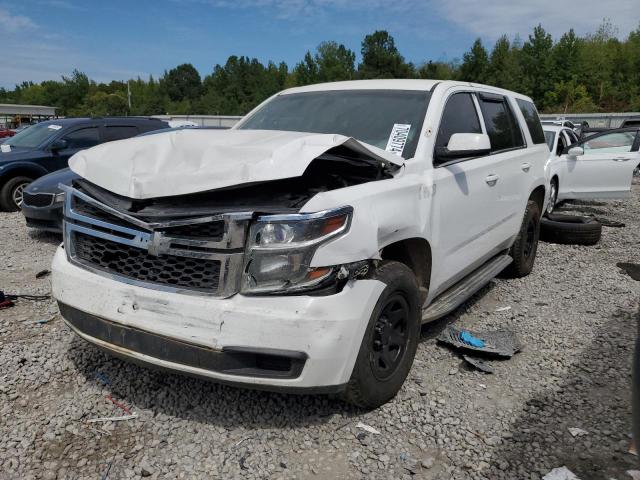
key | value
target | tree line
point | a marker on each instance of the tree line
(595, 73)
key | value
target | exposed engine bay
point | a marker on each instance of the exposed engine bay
(338, 168)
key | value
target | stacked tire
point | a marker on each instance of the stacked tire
(570, 229)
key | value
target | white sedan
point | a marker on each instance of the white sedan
(600, 166)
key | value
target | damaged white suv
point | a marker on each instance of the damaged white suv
(302, 250)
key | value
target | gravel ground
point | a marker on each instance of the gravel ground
(575, 315)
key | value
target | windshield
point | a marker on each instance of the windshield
(549, 137)
(388, 119)
(34, 136)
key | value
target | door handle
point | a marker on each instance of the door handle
(526, 167)
(491, 179)
(620, 159)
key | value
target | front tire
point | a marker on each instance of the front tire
(390, 340)
(11, 193)
(525, 247)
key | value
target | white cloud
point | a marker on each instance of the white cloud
(492, 18)
(10, 23)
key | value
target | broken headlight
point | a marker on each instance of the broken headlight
(281, 247)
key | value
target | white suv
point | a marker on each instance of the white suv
(302, 250)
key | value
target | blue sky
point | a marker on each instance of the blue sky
(118, 39)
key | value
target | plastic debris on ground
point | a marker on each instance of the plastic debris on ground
(560, 473)
(503, 309)
(113, 419)
(43, 273)
(472, 346)
(367, 428)
(478, 364)
(631, 269)
(577, 432)
(635, 474)
(498, 343)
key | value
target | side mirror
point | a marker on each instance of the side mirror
(59, 144)
(463, 145)
(575, 152)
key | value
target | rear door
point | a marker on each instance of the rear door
(112, 133)
(606, 168)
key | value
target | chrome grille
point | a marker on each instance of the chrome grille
(203, 255)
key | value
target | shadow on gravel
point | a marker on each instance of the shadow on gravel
(594, 396)
(207, 402)
(45, 237)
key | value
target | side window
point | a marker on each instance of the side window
(83, 138)
(532, 120)
(119, 132)
(502, 127)
(459, 116)
(618, 142)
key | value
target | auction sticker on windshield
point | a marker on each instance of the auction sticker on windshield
(55, 127)
(398, 138)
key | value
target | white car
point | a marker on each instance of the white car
(303, 249)
(600, 166)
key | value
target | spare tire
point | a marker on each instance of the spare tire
(570, 229)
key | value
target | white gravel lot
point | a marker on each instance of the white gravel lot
(575, 314)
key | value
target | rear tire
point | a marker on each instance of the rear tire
(11, 193)
(570, 230)
(525, 247)
(390, 340)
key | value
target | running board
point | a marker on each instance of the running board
(455, 296)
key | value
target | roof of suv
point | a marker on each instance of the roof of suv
(393, 84)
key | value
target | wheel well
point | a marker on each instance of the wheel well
(19, 172)
(538, 196)
(555, 177)
(415, 253)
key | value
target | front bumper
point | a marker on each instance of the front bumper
(229, 340)
(44, 218)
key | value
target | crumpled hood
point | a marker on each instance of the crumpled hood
(191, 161)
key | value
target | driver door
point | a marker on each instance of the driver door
(605, 170)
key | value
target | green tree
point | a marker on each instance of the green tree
(475, 64)
(335, 62)
(182, 83)
(437, 71)
(381, 58)
(504, 68)
(307, 71)
(536, 62)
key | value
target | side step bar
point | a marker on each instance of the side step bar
(455, 296)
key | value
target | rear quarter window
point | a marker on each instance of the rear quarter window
(532, 120)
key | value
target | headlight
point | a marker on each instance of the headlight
(58, 198)
(281, 247)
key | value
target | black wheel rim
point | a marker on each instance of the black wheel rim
(530, 239)
(390, 337)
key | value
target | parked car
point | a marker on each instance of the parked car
(47, 147)
(599, 166)
(6, 133)
(43, 198)
(302, 249)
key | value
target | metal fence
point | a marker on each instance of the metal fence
(595, 120)
(204, 120)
